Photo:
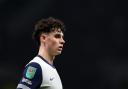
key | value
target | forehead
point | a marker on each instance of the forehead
(57, 31)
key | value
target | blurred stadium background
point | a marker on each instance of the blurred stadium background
(95, 55)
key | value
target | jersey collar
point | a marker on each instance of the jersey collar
(45, 61)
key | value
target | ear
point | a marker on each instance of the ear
(42, 38)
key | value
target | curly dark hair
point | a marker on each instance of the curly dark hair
(46, 26)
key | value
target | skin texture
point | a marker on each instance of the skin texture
(51, 44)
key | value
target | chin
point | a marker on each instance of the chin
(58, 53)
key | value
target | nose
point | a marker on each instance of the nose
(62, 41)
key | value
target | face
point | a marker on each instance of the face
(54, 42)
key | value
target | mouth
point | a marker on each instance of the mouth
(60, 48)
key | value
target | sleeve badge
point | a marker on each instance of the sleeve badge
(30, 72)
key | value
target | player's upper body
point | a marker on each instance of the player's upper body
(40, 73)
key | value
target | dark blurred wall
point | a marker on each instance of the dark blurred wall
(95, 53)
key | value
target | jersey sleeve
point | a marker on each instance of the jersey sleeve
(32, 77)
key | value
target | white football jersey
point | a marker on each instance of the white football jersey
(51, 79)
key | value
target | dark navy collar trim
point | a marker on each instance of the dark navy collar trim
(45, 61)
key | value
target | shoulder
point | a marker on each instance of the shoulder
(32, 76)
(32, 69)
(35, 60)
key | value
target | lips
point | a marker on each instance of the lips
(60, 48)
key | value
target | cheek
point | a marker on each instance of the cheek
(52, 43)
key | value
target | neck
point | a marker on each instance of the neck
(49, 58)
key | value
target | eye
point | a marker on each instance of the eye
(57, 36)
